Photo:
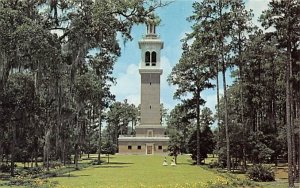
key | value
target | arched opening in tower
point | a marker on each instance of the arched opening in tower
(147, 58)
(153, 54)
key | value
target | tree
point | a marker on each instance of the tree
(175, 144)
(109, 149)
(214, 19)
(180, 125)
(18, 102)
(118, 118)
(207, 143)
(284, 16)
(192, 75)
(241, 26)
(53, 47)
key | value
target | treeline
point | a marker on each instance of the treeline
(56, 61)
(258, 116)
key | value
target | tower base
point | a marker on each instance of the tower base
(143, 145)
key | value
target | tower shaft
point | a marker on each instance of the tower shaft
(150, 98)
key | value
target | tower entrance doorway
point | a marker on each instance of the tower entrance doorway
(149, 150)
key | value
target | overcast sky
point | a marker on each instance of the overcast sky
(172, 28)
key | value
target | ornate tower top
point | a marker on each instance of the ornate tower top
(151, 28)
(150, 47)
(151, 23)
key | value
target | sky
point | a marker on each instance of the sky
(171, 30)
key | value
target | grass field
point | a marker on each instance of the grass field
(133, 171)
(138, 171)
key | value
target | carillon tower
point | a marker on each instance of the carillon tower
(150, 135)
(150, 72)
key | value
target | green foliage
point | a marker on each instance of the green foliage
(175, 144)
(4, 168)
(214, 164)
(35, 170)
(193, 74)
(53, 90)
(119, 116)
(261, 173)
(96, 162)
(109, 148)
(207, 143)
(179, 128)
(259, 147)
(284, 17)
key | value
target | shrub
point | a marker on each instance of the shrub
(95, 162)
(5, 168)
(56, 165)
(214, 164)
(261, 173)
(35, 170)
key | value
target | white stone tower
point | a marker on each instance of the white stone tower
(150, 71)
(150, 135)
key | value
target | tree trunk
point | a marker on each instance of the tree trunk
(31, 160)
(224, 85)
(298, 120)
(12, 160)
(64, 154)
(36, 121)
(198, 126)
(293, 140)
(226, 118)
(218, 111)
(88, 150)
(99, 143)
(47, 140)
(299, 153)
(288, 117)
(76, 156)
(36, 149)
(132, 126)
(242, 102)
(1, 144)
(88, 130)
(47, 148)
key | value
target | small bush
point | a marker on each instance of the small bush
(56, 165)
(261, 173)
(35, 170)
(5, 168)
(95, 162)
(214, 164)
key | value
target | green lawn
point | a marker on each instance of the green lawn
(139, 171)
(133, 171)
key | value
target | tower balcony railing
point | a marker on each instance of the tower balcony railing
(151, 36)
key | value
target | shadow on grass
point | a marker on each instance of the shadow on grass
(71, 175)
(118, 163)
(96, 157)
(110, 166)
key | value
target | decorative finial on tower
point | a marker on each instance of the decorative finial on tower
(151, 23)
